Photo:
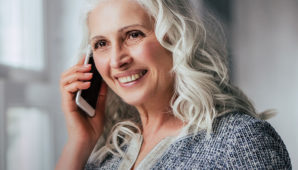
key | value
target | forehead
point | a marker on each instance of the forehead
(112, 15)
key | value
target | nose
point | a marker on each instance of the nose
(120, 58)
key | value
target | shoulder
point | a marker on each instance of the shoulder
(238, 141)
(252, 143)
(233, 123)
(245, 130)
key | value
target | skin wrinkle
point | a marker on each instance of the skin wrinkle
(152, 98)
(123, 29)
(153, 121)
(165, 114)
(201, 91)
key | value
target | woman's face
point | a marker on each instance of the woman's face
(127, 54)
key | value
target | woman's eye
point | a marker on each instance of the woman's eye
(135, 34)
(100, 44)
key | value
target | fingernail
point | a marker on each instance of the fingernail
(87, 65)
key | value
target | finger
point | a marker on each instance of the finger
(76, 86)
(76, 77)
(76, 68)
(81, 60)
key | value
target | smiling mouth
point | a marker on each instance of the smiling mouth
(133, 77)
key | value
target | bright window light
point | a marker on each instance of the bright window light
(29, 141)
(21, 34)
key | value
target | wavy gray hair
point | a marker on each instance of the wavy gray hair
(202, 87)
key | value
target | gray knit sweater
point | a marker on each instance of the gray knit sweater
(238, 141)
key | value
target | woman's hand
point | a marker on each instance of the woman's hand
(83, 131)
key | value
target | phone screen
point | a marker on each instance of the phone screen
(91, 94)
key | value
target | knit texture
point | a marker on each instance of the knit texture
(238, 141)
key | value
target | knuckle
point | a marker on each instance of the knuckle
(76, 85)
(65, 88)
(70, 89)
(76, 76)
(78, 68)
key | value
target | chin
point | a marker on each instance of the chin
(134, 100)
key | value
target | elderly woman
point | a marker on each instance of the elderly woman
(166, 101)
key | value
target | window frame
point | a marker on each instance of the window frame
(11, 73)
(21, 77)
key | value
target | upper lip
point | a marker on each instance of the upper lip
(128, 73)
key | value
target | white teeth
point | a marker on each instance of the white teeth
(130, 78)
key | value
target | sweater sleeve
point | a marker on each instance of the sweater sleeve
(256, 145)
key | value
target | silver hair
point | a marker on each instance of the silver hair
(202, 87)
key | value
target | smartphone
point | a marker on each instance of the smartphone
(87, 99)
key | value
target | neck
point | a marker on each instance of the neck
(157, 118)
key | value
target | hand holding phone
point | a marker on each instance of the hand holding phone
(74, 79)
(87, 99)
(83, 131)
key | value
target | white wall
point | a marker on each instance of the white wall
(265, 47)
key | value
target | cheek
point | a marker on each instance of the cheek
(148, 52)
(152, 54)
(102, 66)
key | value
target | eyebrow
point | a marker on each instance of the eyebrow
(129, 26)
(120, 30)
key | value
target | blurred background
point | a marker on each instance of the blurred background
(39, 40)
